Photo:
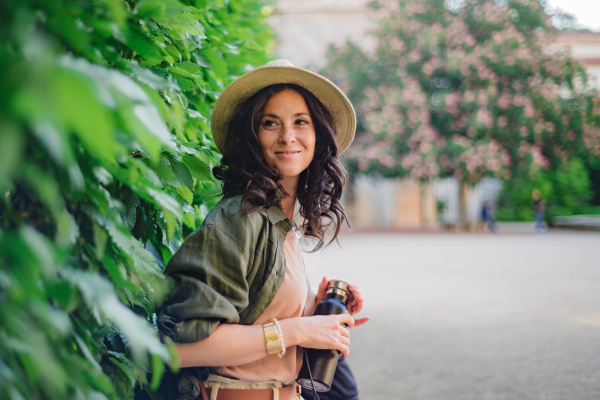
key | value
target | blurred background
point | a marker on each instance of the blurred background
(450, 114)
(473, 193)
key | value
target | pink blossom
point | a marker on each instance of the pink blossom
(414, 56)
(485, 118)
(482, 98)
(362, 164)
(388, 161)
(504, 101)
(502, 121)
(452, 100)
(529, 110)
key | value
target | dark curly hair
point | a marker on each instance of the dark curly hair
(244, 169)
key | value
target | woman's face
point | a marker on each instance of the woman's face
(287, 135)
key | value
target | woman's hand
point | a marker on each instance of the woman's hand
(320, 332)
(327, 331)
(355, 302)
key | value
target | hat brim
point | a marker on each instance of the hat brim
(250, 83)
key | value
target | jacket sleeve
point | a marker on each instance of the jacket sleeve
(209, 275)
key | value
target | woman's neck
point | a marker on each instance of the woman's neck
(288, 203)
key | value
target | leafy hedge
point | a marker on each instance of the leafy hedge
(565, 191)
(105, 165)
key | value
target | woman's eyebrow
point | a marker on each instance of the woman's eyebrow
(295, 115)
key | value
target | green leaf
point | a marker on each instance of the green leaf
(181, 72)
(199, 168)
(218, 64)
(181, 171)
(151, 247)
(118, 274)
(186, 85)
(189, 220)
(165, 173)
(158, 369)
(62, 292)
(99, 293)
(133, 248)
(148, 115)
(10, 152)
(129, 214)
(186, 194)
(150, 9)
(165, 201)
(192, 69)
(155, 78)
(139, 42)
(76, 107)
(174, 242)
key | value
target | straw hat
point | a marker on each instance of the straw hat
(283, 71)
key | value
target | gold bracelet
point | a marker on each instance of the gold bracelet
(282, 352)
(274, 338)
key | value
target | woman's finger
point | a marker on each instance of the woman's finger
(321, 290)
(355, 302)
(344, 351)
(346, 319)
(361, 321)
(345, 339)
(345, 332)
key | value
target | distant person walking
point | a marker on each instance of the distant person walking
(487, 216)
(538, 208)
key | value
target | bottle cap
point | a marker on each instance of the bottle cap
(339, 288)
(337, 284)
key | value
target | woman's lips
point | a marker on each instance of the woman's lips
(287, 153)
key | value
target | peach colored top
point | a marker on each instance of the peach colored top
(293, 297)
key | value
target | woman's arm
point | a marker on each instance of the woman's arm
(232, 344)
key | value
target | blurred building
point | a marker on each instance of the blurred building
(305, 29)
(585, 47)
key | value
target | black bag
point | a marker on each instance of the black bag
(342, 388)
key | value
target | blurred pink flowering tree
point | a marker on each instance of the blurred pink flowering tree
(468, 91)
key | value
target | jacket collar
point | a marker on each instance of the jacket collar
(276, 215)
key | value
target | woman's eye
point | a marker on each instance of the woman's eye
(269, 122)
(302, 122)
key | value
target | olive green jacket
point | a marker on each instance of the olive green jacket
(227, 271)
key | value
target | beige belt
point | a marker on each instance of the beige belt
(219, 388)
(286, 393)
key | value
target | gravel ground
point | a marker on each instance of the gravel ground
(512, 316)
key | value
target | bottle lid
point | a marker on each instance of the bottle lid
(337, 284)
(339, 288)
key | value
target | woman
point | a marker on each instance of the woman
(241, 303)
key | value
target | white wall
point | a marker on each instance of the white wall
(305, 28)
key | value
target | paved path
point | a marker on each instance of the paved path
(473, 316)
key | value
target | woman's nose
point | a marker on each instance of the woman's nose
(288, 135)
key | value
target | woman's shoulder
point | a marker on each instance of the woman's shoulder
(228, 216)
(229, 210)
(244, 225)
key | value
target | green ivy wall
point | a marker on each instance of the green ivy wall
(105, 166)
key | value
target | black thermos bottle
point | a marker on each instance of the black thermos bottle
(323, 362)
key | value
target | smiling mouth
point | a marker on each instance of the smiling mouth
(287, 152)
